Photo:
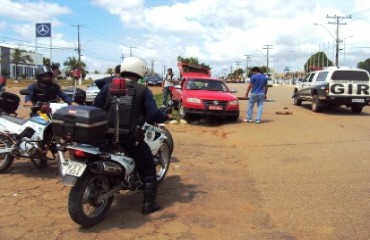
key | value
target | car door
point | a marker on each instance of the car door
(305, 90)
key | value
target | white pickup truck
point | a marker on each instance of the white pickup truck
(334, 87)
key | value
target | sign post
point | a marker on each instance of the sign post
(44, 30)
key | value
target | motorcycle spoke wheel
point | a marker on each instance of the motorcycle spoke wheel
(162, 160)
(83, 205)
(5, 158)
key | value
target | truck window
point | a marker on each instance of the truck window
(322, 76)
(350, 75)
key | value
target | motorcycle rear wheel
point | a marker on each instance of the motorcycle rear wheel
(162, 160)
(5, 158)
(83, 206)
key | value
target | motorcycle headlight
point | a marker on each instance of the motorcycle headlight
(193, 100)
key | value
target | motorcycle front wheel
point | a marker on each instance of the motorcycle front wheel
(5, 158)
(162, 160)
(83, 204)
(169, 138)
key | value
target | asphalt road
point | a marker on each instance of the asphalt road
(304, 175)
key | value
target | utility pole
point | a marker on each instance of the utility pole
(248, 57)
(337, 40)
(131, 50)
(237, 63)
(267, 47)
(78, 50)
(152, 65)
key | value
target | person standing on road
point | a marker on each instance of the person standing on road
(258, 92)
(167, 86)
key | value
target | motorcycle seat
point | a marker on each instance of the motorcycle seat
(17, 120)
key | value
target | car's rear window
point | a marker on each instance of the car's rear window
(350, 75)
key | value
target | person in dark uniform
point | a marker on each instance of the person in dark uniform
(45, 89)
(141, 107)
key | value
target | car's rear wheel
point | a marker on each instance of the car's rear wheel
(297, 101)
(356, 108)
(316, 104)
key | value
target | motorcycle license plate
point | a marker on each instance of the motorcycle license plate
(215, 107)
(358, 100)
(76, 168)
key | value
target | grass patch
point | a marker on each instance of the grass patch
(158, 100)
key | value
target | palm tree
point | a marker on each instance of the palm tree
(73, 63)
(20, 56)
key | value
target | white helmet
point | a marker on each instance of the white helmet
(133, 65)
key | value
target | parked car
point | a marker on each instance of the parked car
(91, 93)
(200, 95)
(334, 87)
(269, 82)
(153, 80)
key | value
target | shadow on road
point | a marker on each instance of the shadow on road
(126, 213)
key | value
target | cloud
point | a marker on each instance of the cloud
(217, 32)
(31, 11)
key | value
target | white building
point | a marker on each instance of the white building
(7, 67)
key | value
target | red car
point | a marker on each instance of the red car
(199, 95)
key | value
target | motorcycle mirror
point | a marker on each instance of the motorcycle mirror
(23, 92)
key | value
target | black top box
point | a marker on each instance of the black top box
(83, 124)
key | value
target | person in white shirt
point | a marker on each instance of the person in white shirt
(167, 86)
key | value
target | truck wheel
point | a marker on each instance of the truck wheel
(356, 108)
(315, 105)
(297, 101)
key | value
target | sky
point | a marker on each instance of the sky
(224, 34)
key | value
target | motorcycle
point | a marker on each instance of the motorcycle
(98, 169)
(25, 138)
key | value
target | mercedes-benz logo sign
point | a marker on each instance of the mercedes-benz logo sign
(215, 102)
(43, 29)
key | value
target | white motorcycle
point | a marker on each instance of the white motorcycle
(95, 165)
(25, 138)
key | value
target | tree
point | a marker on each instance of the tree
(317, 61)
(20, 56)
(109, 71)
(46, 61)
(364, 65)
(192, 60)
(72, 63)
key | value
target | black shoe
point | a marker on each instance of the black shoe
(150, 193)
(150, 208)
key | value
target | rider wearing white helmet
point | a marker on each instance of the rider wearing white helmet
(139, 107)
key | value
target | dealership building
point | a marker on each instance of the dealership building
(26, 70)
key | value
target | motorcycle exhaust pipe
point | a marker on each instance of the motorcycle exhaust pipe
(105, 167)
